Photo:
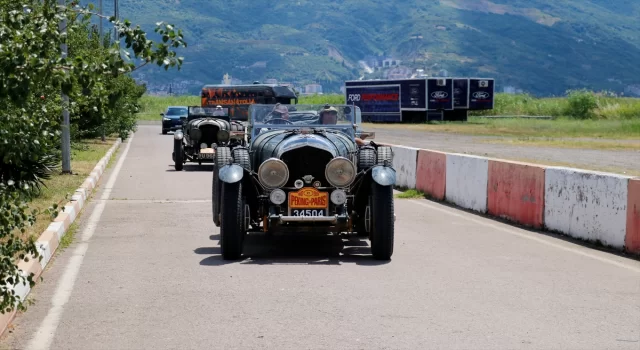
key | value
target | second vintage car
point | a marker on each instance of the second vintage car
(203, 130)
(303, 171)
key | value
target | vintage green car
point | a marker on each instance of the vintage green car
(304, 171)
(203, 130)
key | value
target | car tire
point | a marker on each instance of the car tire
(232, 230)
(366, 158)
(164, 131)
(222, 155)
(241, 157)
(385, 153)
(178, 151)
(382, 221)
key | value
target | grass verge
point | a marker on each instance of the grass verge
(410, 194)
(563, 143)
(562, 127)
(152, 106)
(59, 188)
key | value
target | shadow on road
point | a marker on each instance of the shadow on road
(206, 167)
(295, 249)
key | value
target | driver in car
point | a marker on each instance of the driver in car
(218, 112)
(280, 112)
(329, 115)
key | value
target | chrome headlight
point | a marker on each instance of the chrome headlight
(277, 196)
(178, 135)
(340, 172)
(273, 173)
(203, 145)
(223, 135)
(338, 197)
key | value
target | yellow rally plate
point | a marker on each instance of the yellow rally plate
(308, 198)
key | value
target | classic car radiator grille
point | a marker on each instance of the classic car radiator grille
(209, 134)
(306, 161)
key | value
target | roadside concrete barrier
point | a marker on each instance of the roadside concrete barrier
(516, 192)
(632, 238)
(431, 173)
(466, 181)
(587, 205)
(404, 161)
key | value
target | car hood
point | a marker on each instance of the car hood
(275, 143)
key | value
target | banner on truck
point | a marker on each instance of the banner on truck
(375, 99)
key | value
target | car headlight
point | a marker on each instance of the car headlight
(166, 119)
(203, 145)
(277, 196)
(223, 136)
(338, 197)
(340, 172)
(273, 173)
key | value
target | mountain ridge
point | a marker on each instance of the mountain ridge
(544, 48)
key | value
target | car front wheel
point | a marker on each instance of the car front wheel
(382, 221)
(232, 230)
(178, 154)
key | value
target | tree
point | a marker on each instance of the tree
(32, 75)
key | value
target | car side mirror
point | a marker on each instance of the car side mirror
(162, 114)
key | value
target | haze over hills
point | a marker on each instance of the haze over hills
(540, 46)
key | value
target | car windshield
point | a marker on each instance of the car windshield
(176, 111)
(203, 112)
(313, 116)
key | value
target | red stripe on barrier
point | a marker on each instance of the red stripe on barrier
(515, 191)
(632, 237)
(431, 173)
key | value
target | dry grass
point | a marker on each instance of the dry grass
(59, 188)
(519, 127)
(560, 143)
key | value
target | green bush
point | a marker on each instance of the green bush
(32, 76)
(582, 104)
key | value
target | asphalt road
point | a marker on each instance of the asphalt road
(145, 272)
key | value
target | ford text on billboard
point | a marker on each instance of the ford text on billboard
(440, 96)
(481, 94)
(375, 99)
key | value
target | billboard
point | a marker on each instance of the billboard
(481, 94)
(383, 99)
(460, 93)
(439, 94)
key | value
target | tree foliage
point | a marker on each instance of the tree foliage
(33, 74)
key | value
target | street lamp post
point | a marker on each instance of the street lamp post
(66, 136)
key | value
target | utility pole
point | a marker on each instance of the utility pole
(115, 14)
(101, 47)
(66, 136)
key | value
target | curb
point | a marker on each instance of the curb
(48, 242)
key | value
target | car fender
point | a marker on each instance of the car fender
(231, 173)
(383, 175)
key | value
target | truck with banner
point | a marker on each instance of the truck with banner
(419, 100)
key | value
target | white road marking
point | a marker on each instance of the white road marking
(43, 338)
(530, 236)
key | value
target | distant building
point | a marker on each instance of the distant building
(313, 89)
(509, 89)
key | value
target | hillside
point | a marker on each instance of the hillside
(541, 46)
